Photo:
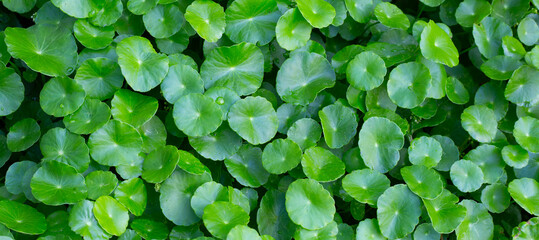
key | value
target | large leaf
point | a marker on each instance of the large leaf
(309, 205)
(252, 21)
(408, 84)
(56, 183)
(380, 141)
(398, 211)
(114, 144)
(22, 218)
(254, 119)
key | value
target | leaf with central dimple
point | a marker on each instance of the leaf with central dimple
(175, 196)
(525, 191)
(180, 81)
(488, 36)
(239, 67)
(425, 151)
(11, 91)
(281, 155)
(160, 163)
(398, 211)
(522, 86)
(91, 36)
(303, 76)
(365, 185)
(292, 30)
(366, 71)
(309, 205)
(99, 77)
(526, 133)
(132, 194)
(470, 12)
(197, 115)
(111, 215)
(163, 21)
(133, 108)
(408, 84)
(380, 141)
(58, 144)
(480, 122)
(339, 124)
(424, 182)
(246, 166)
(322, 165)
(23, 134)
(220, 217)
(391, 16)
(61, 96)
(252, 21)
(437, 46)
(22, 218)
(92, 115)
(254, 119)
(82, 221)
(466, 176)
(207, 18)
(141, 66)
(56, 183)
(318, 13)
(477, 224)
(115, 143)
(75, 8)
(444, 212)
(44, 48)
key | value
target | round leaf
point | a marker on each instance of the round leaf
(56, 183)
(252, 21)
(60, 145)
(365, 185)
(292, 30)
(254, 119)
(380, 141)
(99, 77)
(466, 176)
(366, 71)
(91, 116)
(61, 96)
(246, 166)
(100, 183)
(111, 215)
(207, 18)
(318, 13)
(425, 151)
(281, 155)
(11, 91)
(114, 144)
(408, 84)
(321, 165)
(521, 86)
(398, 211)
(470, 12)
(309, 205)
(305, 132)
(197, 115)
(22, 135)
(525, 191)
(391, 16)
(82, 221)
(163, 21)
(132, 194)
(424, 182)
(480, 122)
(159, 164)
(221, 217)
(22, 218)
(91, 36)
(133, 108)
(515, 156)
(444, 212)
(495, 197)
(180, 81)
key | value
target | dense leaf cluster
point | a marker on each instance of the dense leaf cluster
(269, 119)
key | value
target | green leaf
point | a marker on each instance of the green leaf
(160, 164)
(391, 16)
(61, 96)
(22, 135)
(246, 166)
(330, 231)
(252, 21)
(75, 8)
(221, 217)
(218, 145)
(444, 212)
(115, 143)
(477, 223)
(515, 156)
(526, 230)
(239, 67)
(425, 231)
(141, 66)
(292, 30)
(19, 6)
(83, 222)
(163, 21)
(133, 108)
(100, 183)
(480, 122)
(456, 92)
(175, 196)
(500, 67)
(191, 164)
(408, 84)
(309, 205)
(180, 81)
(510, 11)
(207, 18)
(380, 141)
(140, 7)
(14, 182)
(305, 132)
(424, 182)
(254, 119)
(521, 85)
(339, 124)
(470, 12)
(22, 218)
(56, 183)
(495, 197)
(106, 12)
(303, 76)
(425, 151)
(369, 227)
(132, 194)
(111, 215)
(398, 211)
(91, 36)
(488, 36)
(466, 176)
(240, 232)
(44, 48)
(91, 116)
(11, 91)
(281, 155)
(149, 229)
(321, 165)
(525, 191)
(491, 95)
(197, 115)
(361, 10)
(365, 185)
(272, 218)
(99, 77)
(436, 45)
(60, 145)
(365, 71)
(318, 13)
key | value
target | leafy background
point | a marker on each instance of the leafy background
(269, 119)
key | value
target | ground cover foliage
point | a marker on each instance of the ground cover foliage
(269, 119)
